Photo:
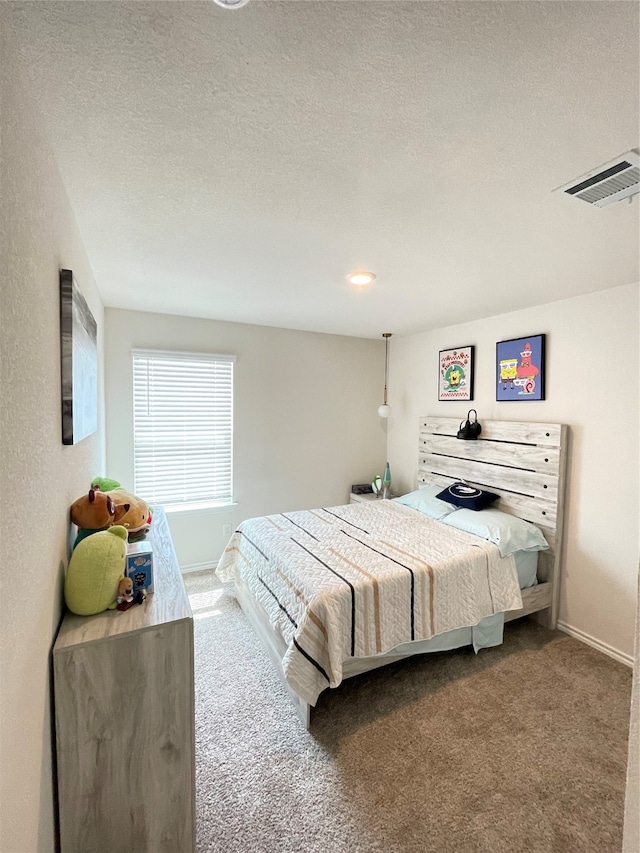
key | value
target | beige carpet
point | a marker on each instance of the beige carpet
(520, 748)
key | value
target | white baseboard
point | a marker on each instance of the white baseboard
(596, 644)
(197, 567)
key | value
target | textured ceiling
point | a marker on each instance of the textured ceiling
(238, 164)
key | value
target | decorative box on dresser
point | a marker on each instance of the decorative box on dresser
(124, 712)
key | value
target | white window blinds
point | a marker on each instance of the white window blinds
(183, 427)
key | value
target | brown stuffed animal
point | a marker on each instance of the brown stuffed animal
(94, 511)
(132, 512)
(99, 510)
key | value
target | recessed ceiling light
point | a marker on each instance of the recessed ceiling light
(231, 4)
(361, 277)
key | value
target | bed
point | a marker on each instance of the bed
(338, 591)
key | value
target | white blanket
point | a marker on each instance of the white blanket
(359, 580)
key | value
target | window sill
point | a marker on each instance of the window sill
(198, 508)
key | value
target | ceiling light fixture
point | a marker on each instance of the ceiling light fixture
(361, 277)
(231, 4)
(385, 409)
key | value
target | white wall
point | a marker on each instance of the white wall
(39, 476)
(592, 369)
(631, 836)
(305, 416)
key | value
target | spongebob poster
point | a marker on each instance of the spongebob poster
(455, 381)
(520, 368)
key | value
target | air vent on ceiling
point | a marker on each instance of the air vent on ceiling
(613, 181)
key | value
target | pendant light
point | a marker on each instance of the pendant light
(384, 410)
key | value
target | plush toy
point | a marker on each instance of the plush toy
(137, 515)
(132, 512)
(93, 511)
(105, 484)
(100, 509)
(95, 569)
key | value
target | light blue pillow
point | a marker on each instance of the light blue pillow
(429, 490)
(426, 502)
(506, 531)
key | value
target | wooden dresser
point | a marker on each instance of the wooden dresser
(124, 712)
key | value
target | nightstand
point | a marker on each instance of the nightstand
(363, 499)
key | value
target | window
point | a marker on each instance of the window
(183, 428)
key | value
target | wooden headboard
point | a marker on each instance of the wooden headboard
(522, 462)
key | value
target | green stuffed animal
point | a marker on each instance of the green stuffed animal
(95, 570)
(105, 484)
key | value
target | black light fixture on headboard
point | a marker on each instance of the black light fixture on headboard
(471, 429)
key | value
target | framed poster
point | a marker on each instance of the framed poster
(79, 357)
(455, 379)
(520, 368)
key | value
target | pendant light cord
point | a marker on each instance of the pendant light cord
(386, 336)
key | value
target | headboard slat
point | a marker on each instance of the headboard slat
(515, 431)
(531, 456)
(499, 476)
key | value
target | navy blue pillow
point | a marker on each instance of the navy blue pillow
(469, 497)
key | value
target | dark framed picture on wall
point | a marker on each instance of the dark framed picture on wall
(520, 368)
(455, 373)
(79, 357)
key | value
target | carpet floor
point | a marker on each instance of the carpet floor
(518, 748)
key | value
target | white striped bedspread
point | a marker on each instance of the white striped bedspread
(359, 580)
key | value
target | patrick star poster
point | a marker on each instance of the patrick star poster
(520, 368)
